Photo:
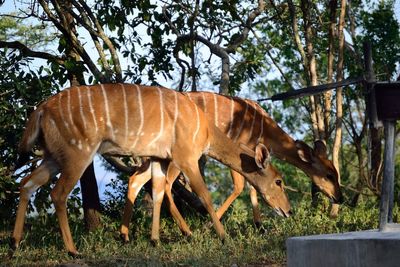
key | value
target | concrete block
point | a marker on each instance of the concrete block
(364, 249)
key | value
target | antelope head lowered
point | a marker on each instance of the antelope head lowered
(163, 177)
(121, 119)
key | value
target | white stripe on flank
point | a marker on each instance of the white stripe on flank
(108, 120)
(81, 108)
(232, 118)
(262, 129)
(69, 109)
(204, 102)
(139, 97)
(89, 95)
(197, 123)
(60, 109)
(175, 118)
(161, 118)
(125, 112)
(252, 124)
(216, 110)
(243, 120)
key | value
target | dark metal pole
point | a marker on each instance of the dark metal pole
(386, 205)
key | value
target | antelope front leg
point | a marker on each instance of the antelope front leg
(136, 182)
(158, 188)
(28, 186)
(199, 187)
(238, 185)
(256, 208)
(172, 174)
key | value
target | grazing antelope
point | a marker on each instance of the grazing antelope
(163, 178)
(121, 119)
(246, 122)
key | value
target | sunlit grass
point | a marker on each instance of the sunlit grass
(42, 244)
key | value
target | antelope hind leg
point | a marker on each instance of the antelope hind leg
(238, 185)
(70, 175)
(136, 182)
(28, 186)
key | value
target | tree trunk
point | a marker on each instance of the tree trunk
(90, 199)
(339, 101)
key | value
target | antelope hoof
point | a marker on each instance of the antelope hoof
(10, 253)
(187, 234)
(75, 254)
(13, 244)
(124, 238)
(155, 242)
(258, 225)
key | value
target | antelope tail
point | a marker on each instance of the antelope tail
(29, 138)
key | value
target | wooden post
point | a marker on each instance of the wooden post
(387, 191)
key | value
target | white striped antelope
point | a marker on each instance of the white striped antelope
(163, 177)
(121, 119)
(246, 122)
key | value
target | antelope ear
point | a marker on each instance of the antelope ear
(320, 149)
(304, 151)
(262, 156)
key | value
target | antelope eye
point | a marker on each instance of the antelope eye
(278, 182)
(330, 177)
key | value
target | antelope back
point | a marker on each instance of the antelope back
(240, 119)
(122, 119)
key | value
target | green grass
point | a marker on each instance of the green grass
(244, 246)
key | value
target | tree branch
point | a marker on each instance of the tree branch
(247, 27)
(30, 53)
(75, 43)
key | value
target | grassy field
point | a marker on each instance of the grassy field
(244, 246)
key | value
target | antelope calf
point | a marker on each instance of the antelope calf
(122, 119)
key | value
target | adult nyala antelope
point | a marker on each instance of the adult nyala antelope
(244, 121)
(121, 119)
